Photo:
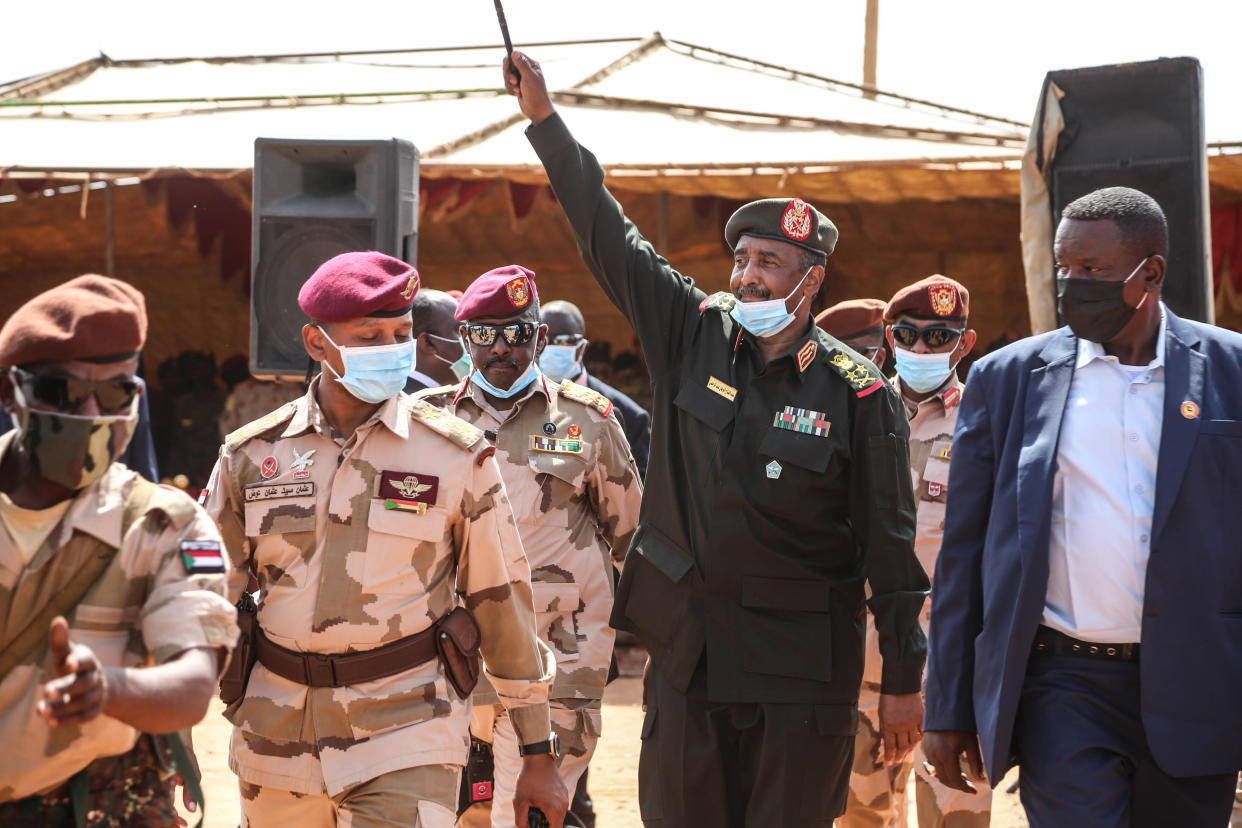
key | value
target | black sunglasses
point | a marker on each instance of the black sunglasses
(515, 333)
(70, 393)
(936, 336)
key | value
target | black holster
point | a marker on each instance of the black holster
(237, 673)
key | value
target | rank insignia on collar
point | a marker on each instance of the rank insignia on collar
(555, 445)
(269, 467)
(408, 491)
(773, 470)
(803, 421)
(951, 397)
(934, 489)
(807, 353)
(202, 557)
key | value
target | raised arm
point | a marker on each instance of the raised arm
(661, 304)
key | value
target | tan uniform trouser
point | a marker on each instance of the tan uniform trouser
(576, 723)
(422, 797)
(878, 794)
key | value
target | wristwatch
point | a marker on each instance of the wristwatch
(551, 745)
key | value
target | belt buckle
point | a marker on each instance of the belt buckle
(319, 669)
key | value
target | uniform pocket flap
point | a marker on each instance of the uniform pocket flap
(786, 594)
(707, 406)
(564, 466)
(429, 526)
(665, 556)
(555, 597)
(805, 450)
(278, 517)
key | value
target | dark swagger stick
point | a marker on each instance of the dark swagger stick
(504, 31)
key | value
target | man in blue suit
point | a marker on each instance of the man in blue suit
(1087, 610)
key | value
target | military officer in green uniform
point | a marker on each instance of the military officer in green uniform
(778, 492)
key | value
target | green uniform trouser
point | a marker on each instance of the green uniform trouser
(733, 765)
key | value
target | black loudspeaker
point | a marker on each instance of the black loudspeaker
(1140, 125)
(312, 200)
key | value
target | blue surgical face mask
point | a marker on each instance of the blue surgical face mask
(526, 378)
(374, 373)
(560, 361)
(923, 373)
(461, 366)
(769, 317)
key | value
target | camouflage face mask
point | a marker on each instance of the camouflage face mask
(71, 449)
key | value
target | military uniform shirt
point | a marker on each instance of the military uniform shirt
(144, 609)
(931, 445)
(774, 491)
(576, 493)
(311, 514)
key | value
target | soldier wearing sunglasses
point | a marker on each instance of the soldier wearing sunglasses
(928, 333)
(576, 495)
(113, 621)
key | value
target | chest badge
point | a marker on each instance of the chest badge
(773, 470)
(555, 445)
(269, 467)
(722, 388)
(201, 557)
(803, 421)
(301, 464)
(549, 429)
(408, 492)
(1189, 410)
(574, 432)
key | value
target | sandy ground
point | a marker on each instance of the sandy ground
(613, 781)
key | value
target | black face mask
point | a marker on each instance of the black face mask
(1096, 310)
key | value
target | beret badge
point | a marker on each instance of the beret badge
(796, 221)
(411, 286)
(519, 295)
(943, 299)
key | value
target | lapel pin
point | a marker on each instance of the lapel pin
(774, 470)
(1189, 410)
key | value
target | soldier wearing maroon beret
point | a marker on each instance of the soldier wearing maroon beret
(928, 331)
(859, 323)
(379, 532)
(112, 588)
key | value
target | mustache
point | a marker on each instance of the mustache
(500, 360)
(757, 291)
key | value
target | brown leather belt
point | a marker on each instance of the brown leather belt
(1052, 642)
(329, 670)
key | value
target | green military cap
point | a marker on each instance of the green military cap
(784, 219)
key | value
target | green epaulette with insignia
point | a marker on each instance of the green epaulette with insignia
(449, 425)
(862, 379)
(264, 424)
(586, 396)
(721, 301)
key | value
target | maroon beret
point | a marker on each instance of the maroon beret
(852, 317)
(936, 297)
(91, 318)
(354, 285)
(502, 292)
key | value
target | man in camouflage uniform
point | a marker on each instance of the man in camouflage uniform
(113, 621)
(367, 518)
(928, 334)
(576, 493)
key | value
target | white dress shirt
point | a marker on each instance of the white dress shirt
(1103, 494)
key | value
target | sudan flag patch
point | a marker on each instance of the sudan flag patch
(202, 557)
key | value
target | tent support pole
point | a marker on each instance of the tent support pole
(870, 44)
(109, 233)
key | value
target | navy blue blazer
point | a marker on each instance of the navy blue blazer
(992, 573)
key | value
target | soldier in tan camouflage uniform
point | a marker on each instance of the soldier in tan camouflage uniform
(134, 571)
(367, 518)
(927, 335)
(576, 492)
